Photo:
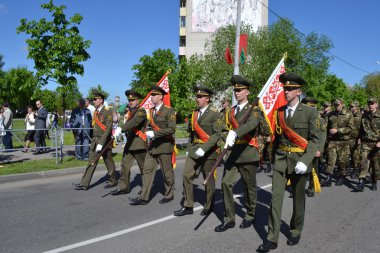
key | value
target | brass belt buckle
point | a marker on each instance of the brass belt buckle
(288, 149)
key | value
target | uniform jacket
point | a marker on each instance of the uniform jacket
(370, 127)
(99, 136)
(163, 141)
(305, 122)
(138, 121)
(357, 120)
(41, 118)
(343, 121)
(244, 153)
(211, 123)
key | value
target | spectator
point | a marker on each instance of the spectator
(2, 132)
(40, 124)
(29, 126)
(54, 119)
(81, 123)
(90, 107)
(48, 123)
(8, 120)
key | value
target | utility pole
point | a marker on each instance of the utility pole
(237, 43)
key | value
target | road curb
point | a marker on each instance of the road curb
(53, 173)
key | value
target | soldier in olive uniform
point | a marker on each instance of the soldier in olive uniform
(243, 158)
(313, 102)
(205, 131)
(369, 137)
(295, 145)
(160, 149)
(101, 137)
(135, 148)
(354, 146)
(339, 127)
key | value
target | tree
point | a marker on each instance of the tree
(18, 87)
(56, 47)
(371, 83)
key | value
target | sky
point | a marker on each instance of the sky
(122, 31)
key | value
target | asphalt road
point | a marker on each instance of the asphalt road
(48, 215)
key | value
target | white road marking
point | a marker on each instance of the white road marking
(132, 229)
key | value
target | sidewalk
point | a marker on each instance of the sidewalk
(18, 156)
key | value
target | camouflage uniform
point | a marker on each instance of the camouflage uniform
(338, 147)
(370, 136)
(354, 147)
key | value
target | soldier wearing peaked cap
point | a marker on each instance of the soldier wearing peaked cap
(205, 130)
(160, 149)
(296, 143)
(244, 155)
(135, 148)
(101, 136)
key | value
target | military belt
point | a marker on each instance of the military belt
(198, 141)
(291, 149)
(237, 142)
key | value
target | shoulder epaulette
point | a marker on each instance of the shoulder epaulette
(167, 106)
(212, 108)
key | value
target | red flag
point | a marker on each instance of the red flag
(272, 95)
(243, 46)
(228, 56)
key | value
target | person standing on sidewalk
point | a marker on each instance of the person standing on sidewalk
(40, 125)
(102, 136)
(135, 149)
(205, 130)
(8, 125)
(29, 126)
(160, 149)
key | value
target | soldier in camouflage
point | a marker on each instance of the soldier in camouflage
(339, 126)
(369, 137)
(354, 146)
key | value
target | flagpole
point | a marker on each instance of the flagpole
(237, 43)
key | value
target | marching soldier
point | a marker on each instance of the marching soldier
(135, 148)
(295, 145)
(101, 137)
(162, 120)
(339, 127)
(243, 158)
(313, 102)
(369, 137)
(354, 146)
(205, 131)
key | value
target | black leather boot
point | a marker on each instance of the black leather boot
(374, 186)
(327, 181)
(340, 180)
(360, 186)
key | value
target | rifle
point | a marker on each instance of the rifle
(221, 155)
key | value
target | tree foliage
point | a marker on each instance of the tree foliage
(371, 83)
(57, 48)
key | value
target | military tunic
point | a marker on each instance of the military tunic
(135, 148)
(101, 137)
(305, 123)
(244, 159)
(159, 151)
(338, 144)
(369, 136)
(211, 123)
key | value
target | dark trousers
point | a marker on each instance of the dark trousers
(39, 140)
(82, 142)
(7, 140)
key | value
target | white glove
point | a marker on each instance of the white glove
(117, 131)
(199, 152)
(150, 134)
(230, 140)
(99, 147)
(300, 168)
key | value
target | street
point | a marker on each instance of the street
(48, 215)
